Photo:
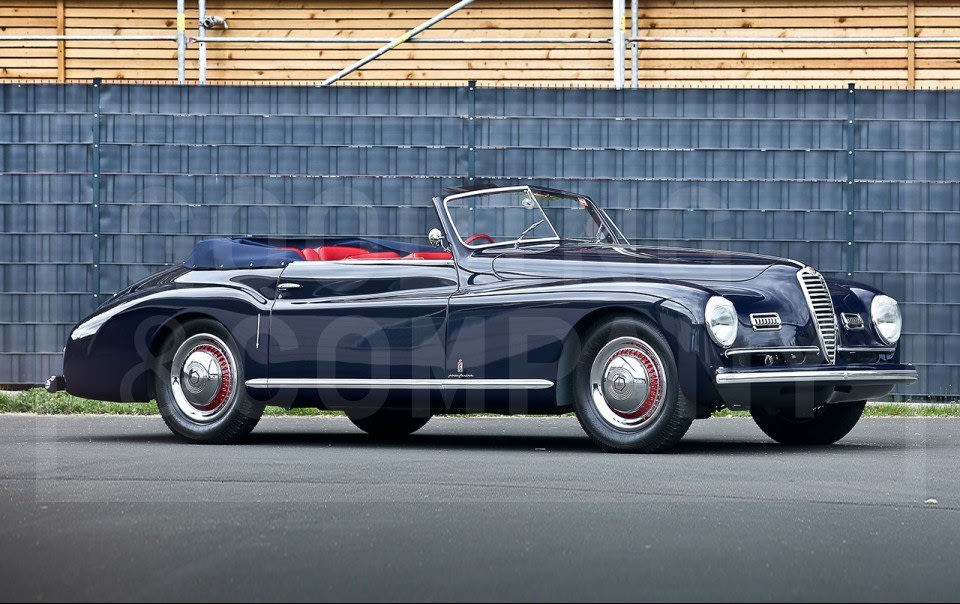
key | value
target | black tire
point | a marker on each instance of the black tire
(663, 415)
(388, 423)
(829, 423)
(226, 421)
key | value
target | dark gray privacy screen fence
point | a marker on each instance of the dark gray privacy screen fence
(104, 184)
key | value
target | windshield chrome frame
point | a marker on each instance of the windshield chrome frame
(605, 220)
(493, 191)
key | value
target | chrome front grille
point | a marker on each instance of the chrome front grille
(821, 307)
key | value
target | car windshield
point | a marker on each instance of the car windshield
(520, 214)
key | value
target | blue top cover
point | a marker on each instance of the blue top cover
(226, 253)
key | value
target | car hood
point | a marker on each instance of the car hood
(578, 261)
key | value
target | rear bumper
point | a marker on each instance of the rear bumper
(859, 374)
(55, 383)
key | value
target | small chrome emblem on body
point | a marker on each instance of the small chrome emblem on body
(460, 366)
(852, 321)
(765, 321)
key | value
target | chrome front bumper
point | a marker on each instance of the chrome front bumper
(827, 374)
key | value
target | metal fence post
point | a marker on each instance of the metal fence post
(95, 213)
(181, 42)
(851, 175)
(471, 131)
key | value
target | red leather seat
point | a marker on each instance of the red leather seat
(376, 256)
(293, 249)
(339, 252)
(429, 256)
(310, 254)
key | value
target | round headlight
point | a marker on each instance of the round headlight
(721, 320)
(885, 313)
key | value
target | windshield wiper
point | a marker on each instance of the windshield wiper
(527, 230)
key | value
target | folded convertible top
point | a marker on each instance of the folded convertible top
(225, 253)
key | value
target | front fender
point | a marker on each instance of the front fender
(556, 316)
(856, 298)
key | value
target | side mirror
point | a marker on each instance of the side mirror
(435, 237)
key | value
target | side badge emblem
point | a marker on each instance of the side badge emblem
(460, 366)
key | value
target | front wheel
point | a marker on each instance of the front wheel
(625, 388)
(199, 385)
(829, 423)
(387, 423)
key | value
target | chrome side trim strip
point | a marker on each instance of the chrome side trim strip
(402, 384)
(772, 350)
(392, 262)
(895, 376)
(878, 349)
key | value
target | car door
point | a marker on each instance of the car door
(360, 323)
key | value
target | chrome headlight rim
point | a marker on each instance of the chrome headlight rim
(719, 307)
(889, 305)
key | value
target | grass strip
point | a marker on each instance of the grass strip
(41, 402)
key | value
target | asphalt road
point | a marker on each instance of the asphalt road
(97, 508)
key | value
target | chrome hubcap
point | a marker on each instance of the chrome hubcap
(202, 378)
(627, 383)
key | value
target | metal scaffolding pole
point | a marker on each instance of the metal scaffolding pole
(346, 40)
(181, 42)
(635, 47)
(619, 46)
(85, 38)
(397, 42)
(201, 46)
(797, 40)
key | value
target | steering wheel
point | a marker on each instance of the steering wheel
(473, 238)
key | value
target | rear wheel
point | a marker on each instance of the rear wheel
(625, 388)
(829, 423)
(388, 423)
(199, 385)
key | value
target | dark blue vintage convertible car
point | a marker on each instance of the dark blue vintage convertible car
(527, 300)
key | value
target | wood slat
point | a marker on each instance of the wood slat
(533, 30)
(372, 24)
(688, 54)
(392, 75)
(402, 65)
(346, 10)
(9, 12)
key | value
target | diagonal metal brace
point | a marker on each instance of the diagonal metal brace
(396, 42)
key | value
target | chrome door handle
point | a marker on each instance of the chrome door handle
(288, 286)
